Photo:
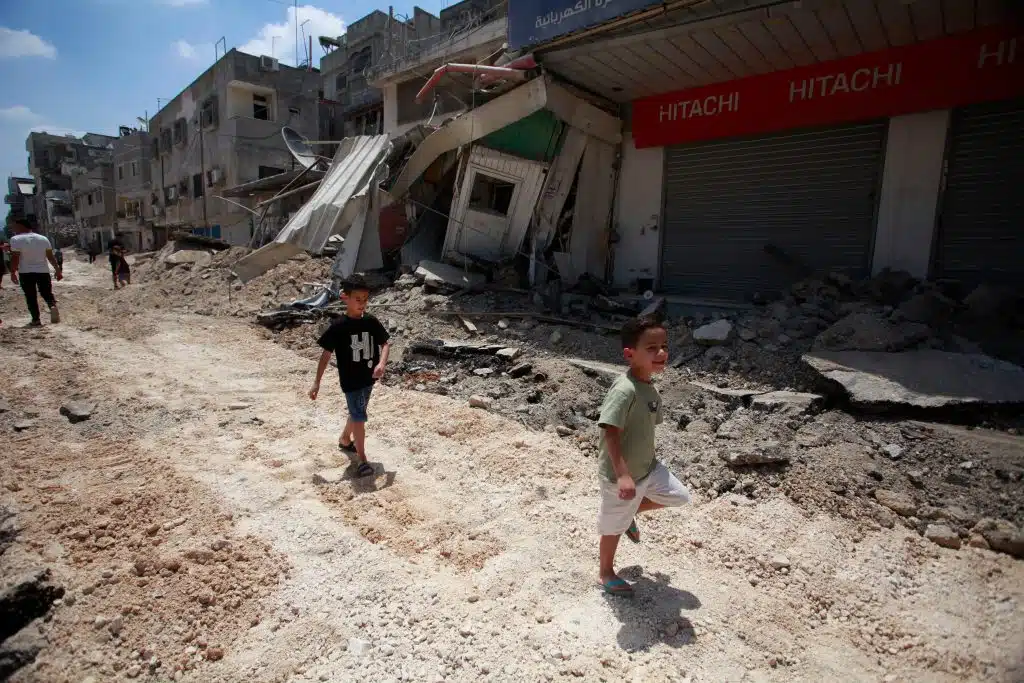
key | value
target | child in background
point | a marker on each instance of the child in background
(361, 346)
(119, 264)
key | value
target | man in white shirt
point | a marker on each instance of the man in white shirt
(31, 258)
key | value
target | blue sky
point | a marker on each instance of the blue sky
(91, 65)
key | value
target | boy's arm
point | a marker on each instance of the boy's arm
(15, 258)
(385, 351)
(612, 421)
(325, 359)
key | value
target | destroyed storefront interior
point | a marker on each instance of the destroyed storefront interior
(523, 184)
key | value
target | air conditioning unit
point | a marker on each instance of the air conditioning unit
(214, 176)
(269, 64)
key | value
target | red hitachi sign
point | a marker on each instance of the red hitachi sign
(974, 67)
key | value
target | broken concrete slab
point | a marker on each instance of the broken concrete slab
(787, 402)
(333, 475)
(1002, 536)
(443, 276)
(900, 503)
(713, 334)
(24, 425)
(597, 367)
(199, 258)
(942, 535)
(770, 452)
(509, 353)
(731, 396)
(870, 332)
(924, 379)
(77, 411)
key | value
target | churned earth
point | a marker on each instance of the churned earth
(187, 517)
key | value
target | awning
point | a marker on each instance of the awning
(338, 201)
(26, 188)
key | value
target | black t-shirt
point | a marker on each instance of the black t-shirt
(356, 345)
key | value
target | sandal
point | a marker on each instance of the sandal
(616, 586)
(347, 447)
(365, 469)
(633, 532)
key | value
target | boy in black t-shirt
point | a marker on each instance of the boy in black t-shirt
(361, 346)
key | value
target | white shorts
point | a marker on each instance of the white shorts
(660, 486)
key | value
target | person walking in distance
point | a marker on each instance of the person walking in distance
(361, 345)
(31, 258)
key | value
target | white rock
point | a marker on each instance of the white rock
(359, 647)
(780, 562)
(480, 402)
(718, 332)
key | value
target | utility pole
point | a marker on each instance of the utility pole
(295, 13)
(202, 172)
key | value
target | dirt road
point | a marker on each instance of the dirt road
(185, 522)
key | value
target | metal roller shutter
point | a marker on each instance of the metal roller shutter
(811, 193)
(981, 226)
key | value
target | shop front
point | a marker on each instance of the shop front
(909, 158)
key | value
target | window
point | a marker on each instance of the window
(165, 140)
(135, 169)
(197, 185)
(340, 83)
(208, 112)
(491, 194)
(89, 197)
(120, 172)
(267, 171)
(180, 131)
(294, 111)
(260, 107)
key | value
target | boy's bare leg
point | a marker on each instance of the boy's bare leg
(648, 504)
(346, 437)
(609, 544)
(359, 437)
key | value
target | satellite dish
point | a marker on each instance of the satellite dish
(300, 148)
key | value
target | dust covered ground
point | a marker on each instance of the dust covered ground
(184, 527)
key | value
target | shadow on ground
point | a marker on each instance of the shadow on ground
(654, 614)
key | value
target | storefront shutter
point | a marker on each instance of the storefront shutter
(809, 193)
(981, 225)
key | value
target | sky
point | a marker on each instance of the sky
(75, 66)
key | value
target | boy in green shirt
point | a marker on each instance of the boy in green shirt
(632, 479)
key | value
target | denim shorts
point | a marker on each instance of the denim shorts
(357, 401)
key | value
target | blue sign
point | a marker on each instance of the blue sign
(537, 21)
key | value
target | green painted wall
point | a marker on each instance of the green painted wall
(538, 137)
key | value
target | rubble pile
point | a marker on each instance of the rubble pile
(747, 415)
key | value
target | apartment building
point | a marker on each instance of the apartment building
(224, 130)
(466, 32)
(133, 190)
(92, 193)
(52, 159)
(356, 106)
(20, 197)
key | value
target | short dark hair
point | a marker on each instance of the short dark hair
(635, 327)
(354, 283)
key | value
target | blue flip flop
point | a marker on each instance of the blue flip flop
(633, 532)
(617, 586)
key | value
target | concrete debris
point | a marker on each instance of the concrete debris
(942, 535)
(1001, 536)
(597, 368)
(197, 258)
(4, 406)
(900, 503)
(893, 450)
(789, 403)
(482, 402)
(444, 277)
(868, 332)
(732, 397)
(24, 425)
(77, 411)
(713, 334)
(764, 454)
(920, 379)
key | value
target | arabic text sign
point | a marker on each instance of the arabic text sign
(974, 67)
(536, 21)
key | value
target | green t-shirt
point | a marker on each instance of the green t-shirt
(635, 408)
